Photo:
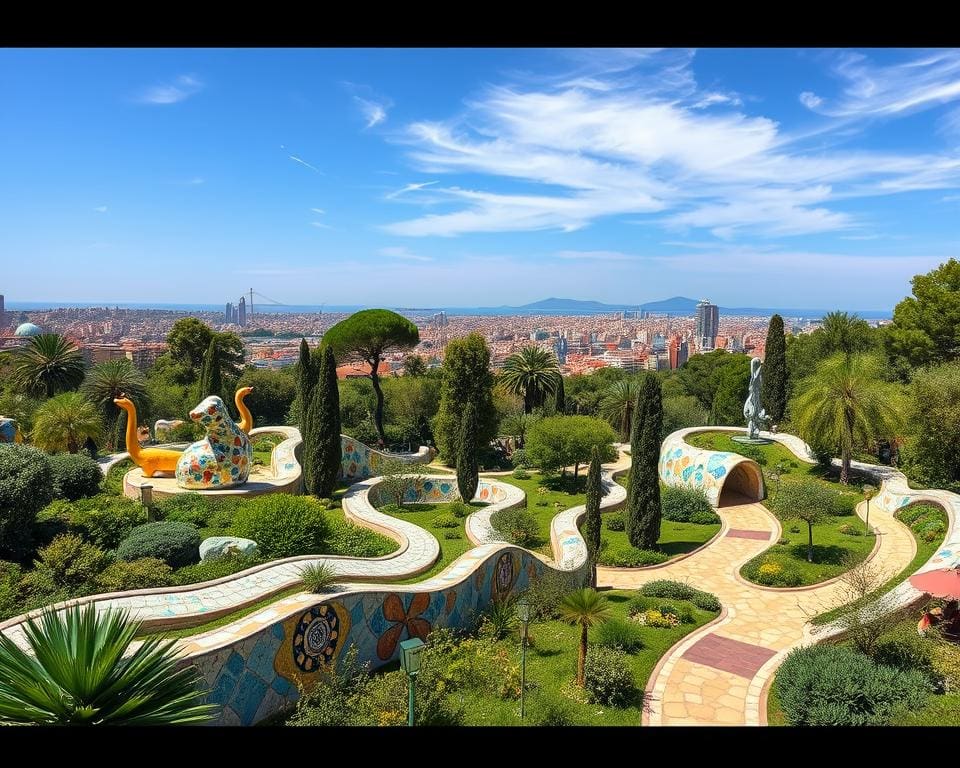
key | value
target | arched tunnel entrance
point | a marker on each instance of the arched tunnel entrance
(743, 485)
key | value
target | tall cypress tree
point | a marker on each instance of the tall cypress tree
(561, 398)
(468, 477)
(774, 390)
(211, 382)
(323, 452)
(643, 495)
(306, 378)
(591, 525)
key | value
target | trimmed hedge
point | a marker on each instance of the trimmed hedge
(26, 487)
(283, 525)
(75, 476)
(517, 525)
(176, 543)
(677, 590)
(103, 519)
(679, 504)
(143, 573)
(631, 557)
(618, 633)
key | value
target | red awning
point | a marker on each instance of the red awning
(941, 583)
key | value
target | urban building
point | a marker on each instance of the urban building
(708, 325)
(242, 312)
(228, 313)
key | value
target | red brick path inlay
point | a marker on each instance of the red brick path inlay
(735, 656)
(741, 533)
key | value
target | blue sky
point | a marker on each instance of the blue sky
(446, 177)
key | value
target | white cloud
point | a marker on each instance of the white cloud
(593, 151)
(374, 112)
(927, 79)
(180, 89)
(320, 225)
(409, 188)
(304, 162)
(595, 256)
(318, 211)
(101, 209)
(400, 252)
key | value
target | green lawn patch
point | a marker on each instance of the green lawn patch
(675, 538)
(228, 618)
(546, 497)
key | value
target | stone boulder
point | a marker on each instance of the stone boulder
(220, 546)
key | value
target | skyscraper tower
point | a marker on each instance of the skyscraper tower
(242, 312)
(3, 320)
(708, 324)
(228, 313)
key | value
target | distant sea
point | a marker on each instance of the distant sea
(33, 306)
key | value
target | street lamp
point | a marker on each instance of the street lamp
(523, 613)
(410, 652)
(776, 473)
(868, 492)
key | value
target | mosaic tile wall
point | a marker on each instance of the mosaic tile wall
(257, 676)
(684, 464)
(431, 490)
(360, 461)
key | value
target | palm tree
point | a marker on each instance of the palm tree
(845, 332)
(82, 672)
(846, 402)
(65, 422)
(586, 608)
(106, 382)
(533, 374)
(47, 364)
(617, 406)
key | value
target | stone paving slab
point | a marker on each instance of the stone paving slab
(714, 650)
(741, 533)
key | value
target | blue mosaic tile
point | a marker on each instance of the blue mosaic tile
(277, 631)
(223, 689)
(281, 685)
(247, 698)
(235, 664)
(261, 658)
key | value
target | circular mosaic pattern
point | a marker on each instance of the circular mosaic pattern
(315, 638)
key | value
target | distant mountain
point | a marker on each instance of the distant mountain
(568, 305)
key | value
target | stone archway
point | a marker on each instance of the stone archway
(743, 485)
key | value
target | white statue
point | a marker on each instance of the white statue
(753, 409)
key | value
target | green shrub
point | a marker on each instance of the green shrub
(672, 590)
(678, 503)
(75, 475)
(349, 539)
(519, 459)
(177, 544)
(706, 601)
(215, 569)
(546, 591)
(72, 562)
(517, 525)
(143, 573)
(850, 530)
(833, 685)
(549, 711)
(521, 474)
(705, 518)
(445, 521)
(845, 504)
(318, 577)
(911, 514)
(617, 633)
(615, 521)
(639, 604)
(795, 528)
(771, 573)
(608, 677)
(113, 482)
(459, 509)
(499, 619)
(631, 557)
(26, 487)
(283, 525)
(10, 574)
(452, 535)
(905, 649)
(191, 508)
(103, 519)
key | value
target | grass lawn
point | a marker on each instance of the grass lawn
(925, 550)
(546, 506)
(675, 538)
(424, 516)
(552, 666)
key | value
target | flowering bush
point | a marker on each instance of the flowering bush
(771, 570)
(608, 677)
(654, 618)
(850, 530)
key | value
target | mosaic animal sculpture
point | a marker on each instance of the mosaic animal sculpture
(161, 427)
(150, 460)
(9, 431)
(246, 419)
(221, 459)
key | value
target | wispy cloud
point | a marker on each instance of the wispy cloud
(304, 163)
(101, 209)
(400, 252)
(925, 80)
(196, 181)
(409, 188)
(183, 87)
(595, 256)
(632, 134)
(374, 112)
(319, 211)
(320, 225)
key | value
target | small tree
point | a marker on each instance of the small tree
(323, 451)
(397, 476)
(560, 441)
(211, 379)
(863, 620)
(591, 525)
(643, 492)
(465, 377)
(584, 608)
(560, 399)
(467, 467)
(774, 392)
(806, 499)
(306, 378)
(368, 335)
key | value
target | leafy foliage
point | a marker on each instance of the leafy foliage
(926, 325)
(65, 422)
(105, 519)
(468, 477)
(805, 499)
(516, 525)
(533, 374)
(175, 543)
(71, 562)
(643, 493)
(617, 633)
(47, 364)
(75, 476)
(143, 573)
(26, 486)
(560, 441)
(464, 378)
(322, 454)
(318, 577)
(607, 677)
(680, 503)
(631, 557)
(283, 525)
(774, 390)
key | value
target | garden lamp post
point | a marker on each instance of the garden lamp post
(868, 492)
(523, 613)
(410, 652)
(775, 474)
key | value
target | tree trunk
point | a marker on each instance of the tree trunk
(582, 659)
(378, 414)
(810, 542)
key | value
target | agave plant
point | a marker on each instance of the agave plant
(82, 671)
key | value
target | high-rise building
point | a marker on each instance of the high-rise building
(228, 313)
(708, 323)
(561, 347)
(242, 312)
(683, 354)
(3, 320)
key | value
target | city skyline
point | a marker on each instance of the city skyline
(518, 174)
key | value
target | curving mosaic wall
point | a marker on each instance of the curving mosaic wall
(360, 461)
(686, 465)
(436, 490)
(258, 676)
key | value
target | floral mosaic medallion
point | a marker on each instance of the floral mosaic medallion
(408, 619)
(505, 574)
(313, 640)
